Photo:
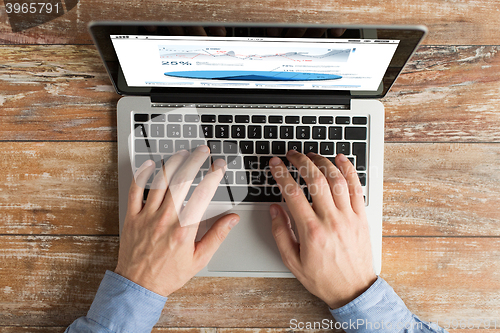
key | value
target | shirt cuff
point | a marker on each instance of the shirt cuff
(378, 309)
(121, 305)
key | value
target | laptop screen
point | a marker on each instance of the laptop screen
(314, 62)
(253, 63)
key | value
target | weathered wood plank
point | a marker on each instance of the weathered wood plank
(59, 329)
(34, 329)
(50, 281)
(466, 22)
(63, 93)
(71, 188)
(58, 188)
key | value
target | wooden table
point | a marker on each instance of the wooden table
(58, 169)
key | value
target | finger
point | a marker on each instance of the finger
(299, 207)
(161, 181)
(136, 192)
(353, 183)
(203, 194)
(317, 184)
(210, 242)
(285, 238)
(336, 181)
(179, 185)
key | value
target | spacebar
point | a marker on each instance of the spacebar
(245, 194)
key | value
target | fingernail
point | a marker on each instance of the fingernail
(202, 148)
(274, 212)
(274, 161)
(183, 152)
(292, 152)
(220, 163)
(311, 154)
(148, 163)
(234, 221)
(342, 158)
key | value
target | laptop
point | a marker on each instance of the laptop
(250, 92)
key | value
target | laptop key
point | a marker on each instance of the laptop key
(319, 132)
(166, 146)
(310, 147)
(141, 117)
(196, 143)
(207, 131)
(181, 144)
(275, 119)
(308, 119)
(342, 120)
(234, 162)
(326, 120)
(254, 132)
(344, 148)
(225, 118)
(262, 147)
(335, 133)
(141, 130)
(303, 132)
(238, 131)
(173, 131)
(258, 178)
(145, 146)
(230, 147)
(246, 147)
(279, 147)
(177, 118)
(208, 118)
(250, 162)
(326, 148)
(215, 146)
(292, 119)
(157, 131)
(191, 118)
(286, 132)
(362, 178)
(242, 177)
(222, 131)
(242, 119)
(295, 145)
(259, 119)
(359, 150)
(359, 120)
(270, 132)
(227, 178)
(158, 118)
(189, 131)
(355, 133)
(264, 162)
(263, 194)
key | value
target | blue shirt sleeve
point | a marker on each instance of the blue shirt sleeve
(379, 309)
(120, 306)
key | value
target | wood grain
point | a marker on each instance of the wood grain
(71, 188)
(462, 23)
(63, 93)
(50, 281)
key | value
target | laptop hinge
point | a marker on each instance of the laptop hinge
(226, 98)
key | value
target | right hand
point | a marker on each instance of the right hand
(333, 259)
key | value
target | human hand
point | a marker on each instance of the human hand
(333, 259)
(157, 248)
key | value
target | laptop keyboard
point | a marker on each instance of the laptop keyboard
(247, 143)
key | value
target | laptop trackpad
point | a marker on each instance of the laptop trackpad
(250, 246)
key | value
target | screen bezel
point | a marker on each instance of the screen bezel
(409, 36)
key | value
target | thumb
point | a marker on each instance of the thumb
(285, 237)
(210, 242)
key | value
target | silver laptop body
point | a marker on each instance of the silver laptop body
(289, 108)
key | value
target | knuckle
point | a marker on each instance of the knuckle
(221, 234)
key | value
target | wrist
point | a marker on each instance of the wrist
(354, 292)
